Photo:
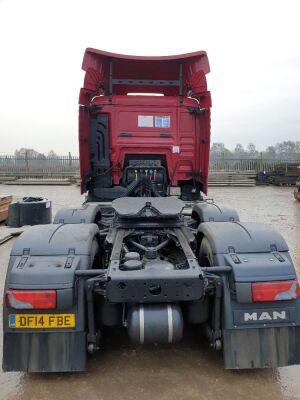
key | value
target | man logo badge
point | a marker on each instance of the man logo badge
(265, 316)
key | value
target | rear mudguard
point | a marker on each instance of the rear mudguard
(88, 213)
(255, 335)
(46, 257)
(204, 211)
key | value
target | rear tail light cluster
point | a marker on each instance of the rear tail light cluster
(30, 299)
(272, 291)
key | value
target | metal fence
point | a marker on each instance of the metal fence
(70, 164)
(60, 164)
(251, 164)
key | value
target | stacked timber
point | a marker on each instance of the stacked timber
(4, 204)
(7, 233)
(232, 178)
(39, 178)
(40, 181)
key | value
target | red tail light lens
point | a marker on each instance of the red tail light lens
(30, 299)
(272, 291)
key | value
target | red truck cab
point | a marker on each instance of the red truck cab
(144, 125)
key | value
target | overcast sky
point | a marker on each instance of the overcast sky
(253, 49)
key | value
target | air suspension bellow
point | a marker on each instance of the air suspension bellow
(132, 255)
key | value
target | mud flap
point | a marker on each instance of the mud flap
(259, 342)
(252, 335)
(256, 334)
(47, 257)
(45, 352)
(261, 347)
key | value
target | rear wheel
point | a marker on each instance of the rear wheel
(205, 256)
(95, 259)
(213, 324)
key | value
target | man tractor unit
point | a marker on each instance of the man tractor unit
(146, 252)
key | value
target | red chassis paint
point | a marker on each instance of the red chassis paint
(184, 140)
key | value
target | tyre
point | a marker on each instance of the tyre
(213, 319)
(205, 256)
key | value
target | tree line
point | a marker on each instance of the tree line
(287, 150)
(31, 153)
